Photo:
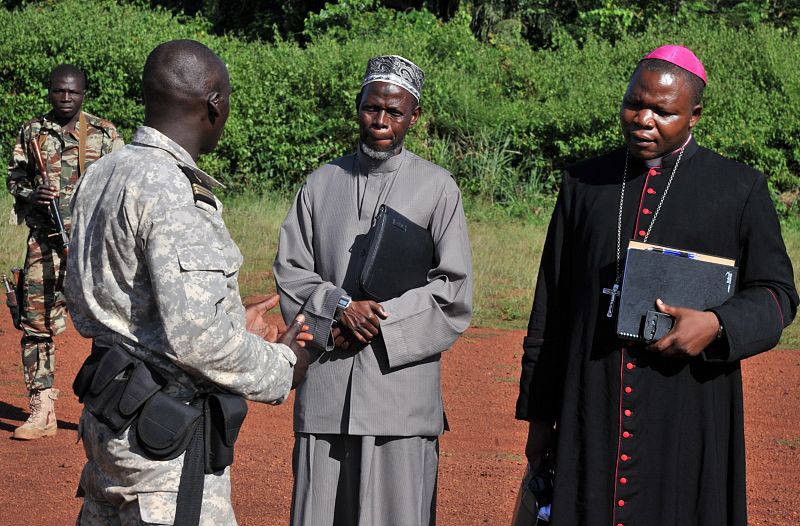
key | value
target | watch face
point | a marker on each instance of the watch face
(344, 302)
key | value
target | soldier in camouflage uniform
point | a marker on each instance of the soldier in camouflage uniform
(70, 141)
(154, 272)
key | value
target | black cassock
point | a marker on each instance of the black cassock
(645, 440)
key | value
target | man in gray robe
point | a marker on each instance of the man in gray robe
(368, 415)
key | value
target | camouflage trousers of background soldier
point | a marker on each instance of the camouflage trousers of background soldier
(43, 312)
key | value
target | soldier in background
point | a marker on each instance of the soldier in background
(70, 141)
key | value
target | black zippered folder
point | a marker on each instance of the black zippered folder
(680, 278)
(399, 257)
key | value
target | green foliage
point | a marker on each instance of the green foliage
(109, 42)
(503, 117)
(540, 20)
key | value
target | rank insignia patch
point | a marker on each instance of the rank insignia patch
(200, 192)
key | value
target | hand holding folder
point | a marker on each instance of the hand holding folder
(677, 277)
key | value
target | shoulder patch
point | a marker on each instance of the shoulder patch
(199, 190)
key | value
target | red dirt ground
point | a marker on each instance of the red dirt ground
(481, 458)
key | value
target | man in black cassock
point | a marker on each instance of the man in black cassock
(651, 435)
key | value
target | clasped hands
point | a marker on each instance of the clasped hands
(358, 324)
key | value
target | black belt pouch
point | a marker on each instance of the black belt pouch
(113, 385)
(106, 387)
(166, 426)
(224, 415)
(83, 380)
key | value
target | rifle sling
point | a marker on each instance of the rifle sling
(82, 132)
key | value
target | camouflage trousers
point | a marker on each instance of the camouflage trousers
(120, 486)
(43, 309)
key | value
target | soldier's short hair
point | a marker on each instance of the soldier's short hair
(181, 70)
(66, 70)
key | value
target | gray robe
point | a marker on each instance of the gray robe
(391, 387)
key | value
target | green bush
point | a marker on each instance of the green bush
(503, 117)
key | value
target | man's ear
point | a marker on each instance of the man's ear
(358, 99)
(212, 102)
(697, 111)
(415, 116)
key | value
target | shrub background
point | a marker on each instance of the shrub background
(504, 117)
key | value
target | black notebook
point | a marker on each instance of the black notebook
(399, 257)
(680, 278)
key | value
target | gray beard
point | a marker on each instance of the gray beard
(378, 155)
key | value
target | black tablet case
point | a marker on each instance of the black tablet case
(653, 272)
(399, 257)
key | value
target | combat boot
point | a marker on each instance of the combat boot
(42, 421)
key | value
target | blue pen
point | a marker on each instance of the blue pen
(678, 253)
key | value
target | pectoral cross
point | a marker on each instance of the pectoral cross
(613, 292)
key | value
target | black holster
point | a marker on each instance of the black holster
(224, 414)
(16, 314)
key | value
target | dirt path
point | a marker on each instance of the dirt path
(481, 459)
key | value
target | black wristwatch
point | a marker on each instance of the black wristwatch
(341, 305)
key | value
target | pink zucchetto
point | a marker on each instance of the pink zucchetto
(681, 57)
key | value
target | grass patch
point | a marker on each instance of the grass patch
(14, 237)
(505, 255)
(505, 260)
(793, 443)
(791, 236)
(513, 457)
(254, 223)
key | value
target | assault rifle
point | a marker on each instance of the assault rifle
(54, 211)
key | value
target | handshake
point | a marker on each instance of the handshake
(295, 336)
(357, 325)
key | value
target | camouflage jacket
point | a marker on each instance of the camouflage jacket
(60, 153)
(154, 269)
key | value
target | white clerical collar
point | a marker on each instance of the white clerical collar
(655, 163)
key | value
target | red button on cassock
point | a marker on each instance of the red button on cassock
(620, 524)
(630, 365)
(621, 502)
(642, 233)
(652, 171)
(623, 480)
(625, 434)
(624, 457)
(651, 191)
(629, 390)
(646, 211)
(628, 412)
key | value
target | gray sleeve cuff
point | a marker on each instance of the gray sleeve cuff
(320, 323)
